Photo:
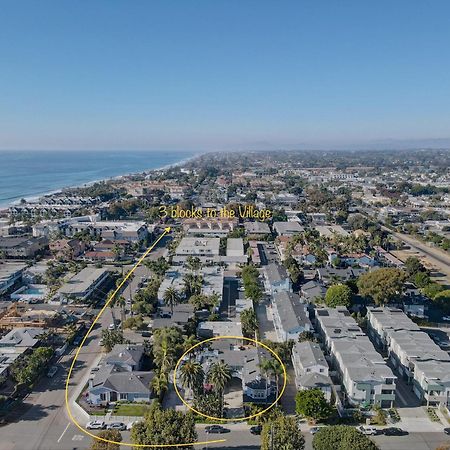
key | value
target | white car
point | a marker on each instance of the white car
(131, 424)
(446, 318)
(371, 431)
(52, 371)
(96, 425)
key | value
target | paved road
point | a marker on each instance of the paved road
(45, 425)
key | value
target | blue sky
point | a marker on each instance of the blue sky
(222, 74)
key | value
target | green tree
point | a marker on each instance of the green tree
(171, 297)
(160, 384)
(282, 434)
(306, 336)
(249, 322)
(341, 437)
(164, 426)
(338, 295)
(110, 338)
(192, 375)
(312, 404)
(413, 266)
(219, 375)
(111, 435)
(443, 300)
(272, 367)
(382, 285)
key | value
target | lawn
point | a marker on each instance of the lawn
(130, 409)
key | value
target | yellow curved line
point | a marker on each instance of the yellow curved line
(240, 419)
(69, 412)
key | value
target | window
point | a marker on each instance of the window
(123, 396)
(103, 396)
(321, 371)
(307, 370)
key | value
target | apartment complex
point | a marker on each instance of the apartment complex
(417, 358)
(366, 378)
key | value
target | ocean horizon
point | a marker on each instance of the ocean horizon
(32, 173)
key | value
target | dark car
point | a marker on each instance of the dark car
(447, 430)
(394, 431)
(256, 429)
(216, 429)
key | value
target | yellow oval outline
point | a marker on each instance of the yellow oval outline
(69, 373)
(238, 419)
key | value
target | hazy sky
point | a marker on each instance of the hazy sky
(222, 74)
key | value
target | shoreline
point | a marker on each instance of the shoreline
(37, 196)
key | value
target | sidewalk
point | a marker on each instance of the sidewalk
(78, 413)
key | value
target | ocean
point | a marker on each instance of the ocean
(28, 174)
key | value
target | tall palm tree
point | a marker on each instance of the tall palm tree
(159, 384)
(171, 297)
(219, 374)
(188, 281)
(121, 302)
(192, 375)
(272, 367)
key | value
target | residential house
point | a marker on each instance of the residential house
(311, 368)
(287, 228)
(277, 279)
(67, 248)
(290, 316)
(120, 377)
(22, 247)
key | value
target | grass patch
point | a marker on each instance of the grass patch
(130, 409)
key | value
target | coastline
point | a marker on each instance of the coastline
(34, 197)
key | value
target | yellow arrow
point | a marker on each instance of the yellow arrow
(69, 412)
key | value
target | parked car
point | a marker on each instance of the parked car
(216, 429)
(446, 318)
(96, 425)
(146, 334)
(111, 326)
(447, 430)
(52, 371)
(77, 340)
(368, 430)
(256, 429)
(314, 430)
(394, 431)
(116, 426)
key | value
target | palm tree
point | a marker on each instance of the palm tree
(121, 302)
(194, 263)
(159, 384)
(219, 374)
(188, 281)
(272, 367)
(192, 375)
(171, 297)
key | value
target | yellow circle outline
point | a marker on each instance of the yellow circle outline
(69, 374)
(238, 419)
